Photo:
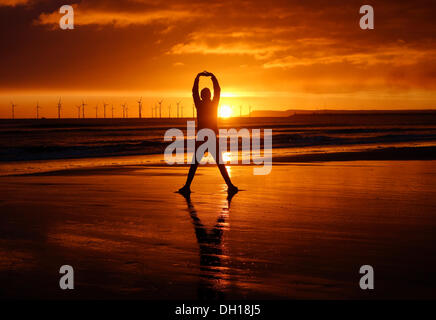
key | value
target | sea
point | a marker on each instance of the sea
(38, 145)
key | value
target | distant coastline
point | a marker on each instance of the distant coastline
(292, 112)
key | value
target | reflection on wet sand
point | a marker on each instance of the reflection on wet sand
(214, 273)
(301, 232)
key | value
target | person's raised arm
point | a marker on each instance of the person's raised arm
(216, 89)
(195, 94)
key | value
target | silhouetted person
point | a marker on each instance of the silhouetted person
(207, 118)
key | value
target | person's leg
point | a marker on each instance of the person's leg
(191, 174)
(192, 169)
(225, 174)
(223, 170)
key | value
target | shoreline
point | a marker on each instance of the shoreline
(282, 155)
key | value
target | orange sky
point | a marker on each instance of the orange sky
(269, 54)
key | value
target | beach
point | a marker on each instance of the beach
(301, 232)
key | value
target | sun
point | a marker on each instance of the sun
(225, 111)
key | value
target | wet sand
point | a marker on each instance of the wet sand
(301, 232)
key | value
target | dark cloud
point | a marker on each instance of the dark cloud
(312, 45)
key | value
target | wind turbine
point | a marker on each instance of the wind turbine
(169, 111)
(37, 109)
(13, 110)
(104, 109)
(78, 111)
(59, 108)
(178, 108)
(160, 108)
(140, 108)
(125, 110)
(83, 109)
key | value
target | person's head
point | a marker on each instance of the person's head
(205, 94)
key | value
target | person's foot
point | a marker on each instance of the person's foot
(185, 190)
(232, 189)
